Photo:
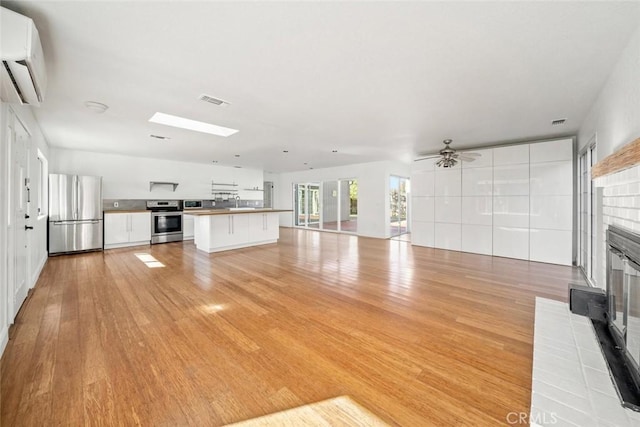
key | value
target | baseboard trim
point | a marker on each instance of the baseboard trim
(4, 340)
(36, 274)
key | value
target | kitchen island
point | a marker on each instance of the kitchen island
(217, 230)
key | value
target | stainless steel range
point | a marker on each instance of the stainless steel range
(166, 221)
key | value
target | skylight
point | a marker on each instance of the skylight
(181, 122)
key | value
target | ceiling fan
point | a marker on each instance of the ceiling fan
(448, 156)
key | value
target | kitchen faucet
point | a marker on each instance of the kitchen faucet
(237, 201)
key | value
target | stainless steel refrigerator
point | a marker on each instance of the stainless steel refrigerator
(75, 213)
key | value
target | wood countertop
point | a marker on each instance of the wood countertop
(232, 212)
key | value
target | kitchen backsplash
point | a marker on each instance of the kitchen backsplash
(135, 204)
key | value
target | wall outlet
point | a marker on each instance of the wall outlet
(115, 204)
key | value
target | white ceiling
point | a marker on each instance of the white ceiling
(373, 80)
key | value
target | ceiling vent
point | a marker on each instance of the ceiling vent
(212, 100)
(558, 122)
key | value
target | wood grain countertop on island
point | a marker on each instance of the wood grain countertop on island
(233, 211)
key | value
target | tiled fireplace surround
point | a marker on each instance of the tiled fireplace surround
(571, 383)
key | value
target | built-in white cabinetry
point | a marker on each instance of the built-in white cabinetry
(423, 203)
(265, 226)
(229, 230)
(187, 227)
(551, 203)
(126, 229)
(476, 204)
(514, 201)
(220, 232)
(511, 201)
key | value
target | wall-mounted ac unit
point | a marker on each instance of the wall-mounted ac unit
(23, 74)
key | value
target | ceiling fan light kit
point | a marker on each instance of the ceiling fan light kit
(449, 157)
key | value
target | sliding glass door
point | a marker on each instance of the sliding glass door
(307, 201)
(398, 191)
(586, 214)
(330, 205)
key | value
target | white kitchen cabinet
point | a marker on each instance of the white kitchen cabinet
(263, 227)
(229, 230)
(126, 229)
(187, 227)
(222, 232)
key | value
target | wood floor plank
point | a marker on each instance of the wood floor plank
(416, 336)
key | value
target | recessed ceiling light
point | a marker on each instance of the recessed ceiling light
(96, 107)
(181, 122)
(159, 137)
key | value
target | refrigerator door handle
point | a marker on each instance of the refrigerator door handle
(87, 221)
(74, 197)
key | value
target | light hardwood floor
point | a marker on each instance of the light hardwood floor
(416, 336)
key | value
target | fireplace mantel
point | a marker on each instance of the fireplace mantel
(626, 157)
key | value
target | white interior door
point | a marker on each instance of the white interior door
(19, 184)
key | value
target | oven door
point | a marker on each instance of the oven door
(166, 227)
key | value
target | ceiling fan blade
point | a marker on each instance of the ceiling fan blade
(469, 153)
(427, 158)
(467, 159)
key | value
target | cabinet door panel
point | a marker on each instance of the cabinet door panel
(240, 228)
(140, 230)
(116, 228)
(272, 221)
(188, 227)
(257, 227)
(221, 231)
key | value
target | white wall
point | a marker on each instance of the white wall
(615, 115)
(37, 239)
(128, 177)
(614, 121)
(373, 192)
(513, 201)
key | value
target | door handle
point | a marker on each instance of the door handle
(26, 227)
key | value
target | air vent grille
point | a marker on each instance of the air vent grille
(558, 122)
(212, 100)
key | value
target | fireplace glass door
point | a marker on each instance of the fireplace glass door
(616, 282)
(632, 283)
